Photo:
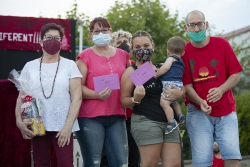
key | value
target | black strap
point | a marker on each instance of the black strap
(157, 65)
(134, 66)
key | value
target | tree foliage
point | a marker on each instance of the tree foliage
(81, 19)
(242, 91)
(243, 106)
(187, 154)
(149, 15)
(242, 49)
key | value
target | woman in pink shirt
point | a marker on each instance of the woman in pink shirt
(101, 117)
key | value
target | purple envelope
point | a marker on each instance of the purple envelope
(104, 81)
(142, 74)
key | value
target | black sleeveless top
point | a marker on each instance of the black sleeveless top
(150, 103)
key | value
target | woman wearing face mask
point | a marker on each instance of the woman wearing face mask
(148, 119)
(101, 117)
(122, 39)
(56, 82)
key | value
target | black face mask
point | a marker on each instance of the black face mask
(124, 47)
(143, 55)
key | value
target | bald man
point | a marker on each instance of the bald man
(211, 71)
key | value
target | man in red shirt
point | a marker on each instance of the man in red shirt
(211, 71)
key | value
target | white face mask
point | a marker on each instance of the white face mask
(101, 39)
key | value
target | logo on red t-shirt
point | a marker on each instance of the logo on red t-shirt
(204, 75)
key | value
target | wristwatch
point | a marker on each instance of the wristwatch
(135, 102)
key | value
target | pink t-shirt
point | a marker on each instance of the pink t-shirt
(98, 66)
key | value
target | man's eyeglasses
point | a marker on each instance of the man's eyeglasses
(193, 25)
(104, 31)
(49, 37)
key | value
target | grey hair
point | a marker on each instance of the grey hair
(120, 33)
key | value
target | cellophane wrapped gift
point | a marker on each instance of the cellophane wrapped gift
(30, 109)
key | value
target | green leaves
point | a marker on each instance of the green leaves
(241, 47)
(73, 14)
(148, 15)
(243, 106)
(152, 16)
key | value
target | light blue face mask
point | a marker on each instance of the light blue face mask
(197, 36)
(101, 39)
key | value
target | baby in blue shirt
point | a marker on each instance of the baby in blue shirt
(171, 73)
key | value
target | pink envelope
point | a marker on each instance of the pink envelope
(104, 81)
(142, 74)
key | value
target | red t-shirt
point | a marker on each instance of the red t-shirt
(218, 162)
(210, 67)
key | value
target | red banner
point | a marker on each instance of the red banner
(23, 33)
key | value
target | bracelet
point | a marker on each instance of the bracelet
(135, 102)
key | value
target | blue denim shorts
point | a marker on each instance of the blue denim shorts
(203, 129)
(168, 84)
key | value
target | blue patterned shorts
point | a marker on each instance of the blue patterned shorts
(168, 84)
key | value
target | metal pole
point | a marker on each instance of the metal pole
(77, 158)
(31, 154)
(80, 30)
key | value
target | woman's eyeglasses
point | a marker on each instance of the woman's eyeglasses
(49, 37)
(104, 31)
